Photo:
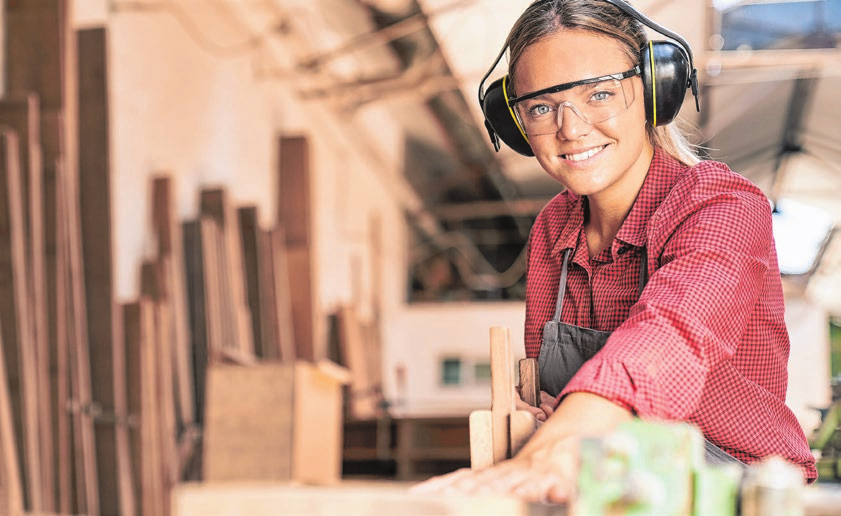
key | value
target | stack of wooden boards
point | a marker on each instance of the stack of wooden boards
(103, 403)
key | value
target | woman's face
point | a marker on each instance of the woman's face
(609, 157)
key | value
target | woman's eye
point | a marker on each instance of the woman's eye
(601, 96)
(540, 110)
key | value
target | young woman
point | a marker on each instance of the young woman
(653, 289)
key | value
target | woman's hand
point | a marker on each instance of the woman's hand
(541, 474)
(546, 467)
(542, 412)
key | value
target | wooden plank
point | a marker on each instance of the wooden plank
(363, 395)
(214, 203)
(481, 439)
(253, 267)
(152, 287)
(282, 320)
(71, 309)
(21, 113)
(357, 498)
(294, 214)
(529, 381)
(19, 347)
(317, 424)
(502, 390)
(11, 489)
(95, 208)
(127, 498)
(200, 249)
(171, 254)
(39, 32)
(143, 404)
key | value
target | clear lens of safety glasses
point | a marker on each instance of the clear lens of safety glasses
(592, 100)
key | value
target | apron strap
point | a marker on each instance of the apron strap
(643, 269)
(563, 282)
(562, 288)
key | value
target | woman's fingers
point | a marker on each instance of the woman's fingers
(538, 412)
(547, 403)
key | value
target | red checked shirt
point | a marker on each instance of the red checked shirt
(706, 341)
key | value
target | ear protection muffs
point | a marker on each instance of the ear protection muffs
(667, 72)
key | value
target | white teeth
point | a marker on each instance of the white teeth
(584, 155)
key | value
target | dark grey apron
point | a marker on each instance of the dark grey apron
(565, 347)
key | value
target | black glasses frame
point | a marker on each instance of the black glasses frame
(569, 85)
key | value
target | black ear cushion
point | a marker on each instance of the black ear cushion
(500, 120)
(665, 76)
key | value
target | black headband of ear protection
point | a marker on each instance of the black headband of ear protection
(500, 121)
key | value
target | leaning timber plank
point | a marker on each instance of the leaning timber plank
(200, 238)
(152, 287)
(143, 403)
(72, 310)
(358, 498)
(40, 32)
(19, 348)
(294, 215)
(94, 179)
(252, 268)
(214, 203)
(282, 317)
(363, 399)
(123, 420)
(21, 113)
(171, 254)
(270, 334)
(11, 491)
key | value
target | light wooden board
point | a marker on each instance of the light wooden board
(248, 424)
(358, 499)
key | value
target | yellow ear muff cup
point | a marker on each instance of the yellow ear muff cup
(501, 119)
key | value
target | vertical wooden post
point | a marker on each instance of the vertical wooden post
(294, 216)
(174, 296)
(97, 249)
(143, 398)
(11, 493)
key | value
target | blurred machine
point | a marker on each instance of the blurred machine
(826, 439)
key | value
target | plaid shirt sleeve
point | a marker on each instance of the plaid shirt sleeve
(706, 342)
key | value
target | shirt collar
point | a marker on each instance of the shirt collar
(661, 176)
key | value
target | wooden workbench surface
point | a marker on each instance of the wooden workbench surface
(359, 498)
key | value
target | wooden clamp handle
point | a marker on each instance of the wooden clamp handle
(530, 381)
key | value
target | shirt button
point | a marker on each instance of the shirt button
(622, 250)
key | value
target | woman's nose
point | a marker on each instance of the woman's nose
(571, 124)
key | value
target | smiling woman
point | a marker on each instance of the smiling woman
(653, 289)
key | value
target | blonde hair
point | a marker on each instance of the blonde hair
(546, 17)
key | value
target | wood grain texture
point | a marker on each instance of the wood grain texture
(529, 381)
